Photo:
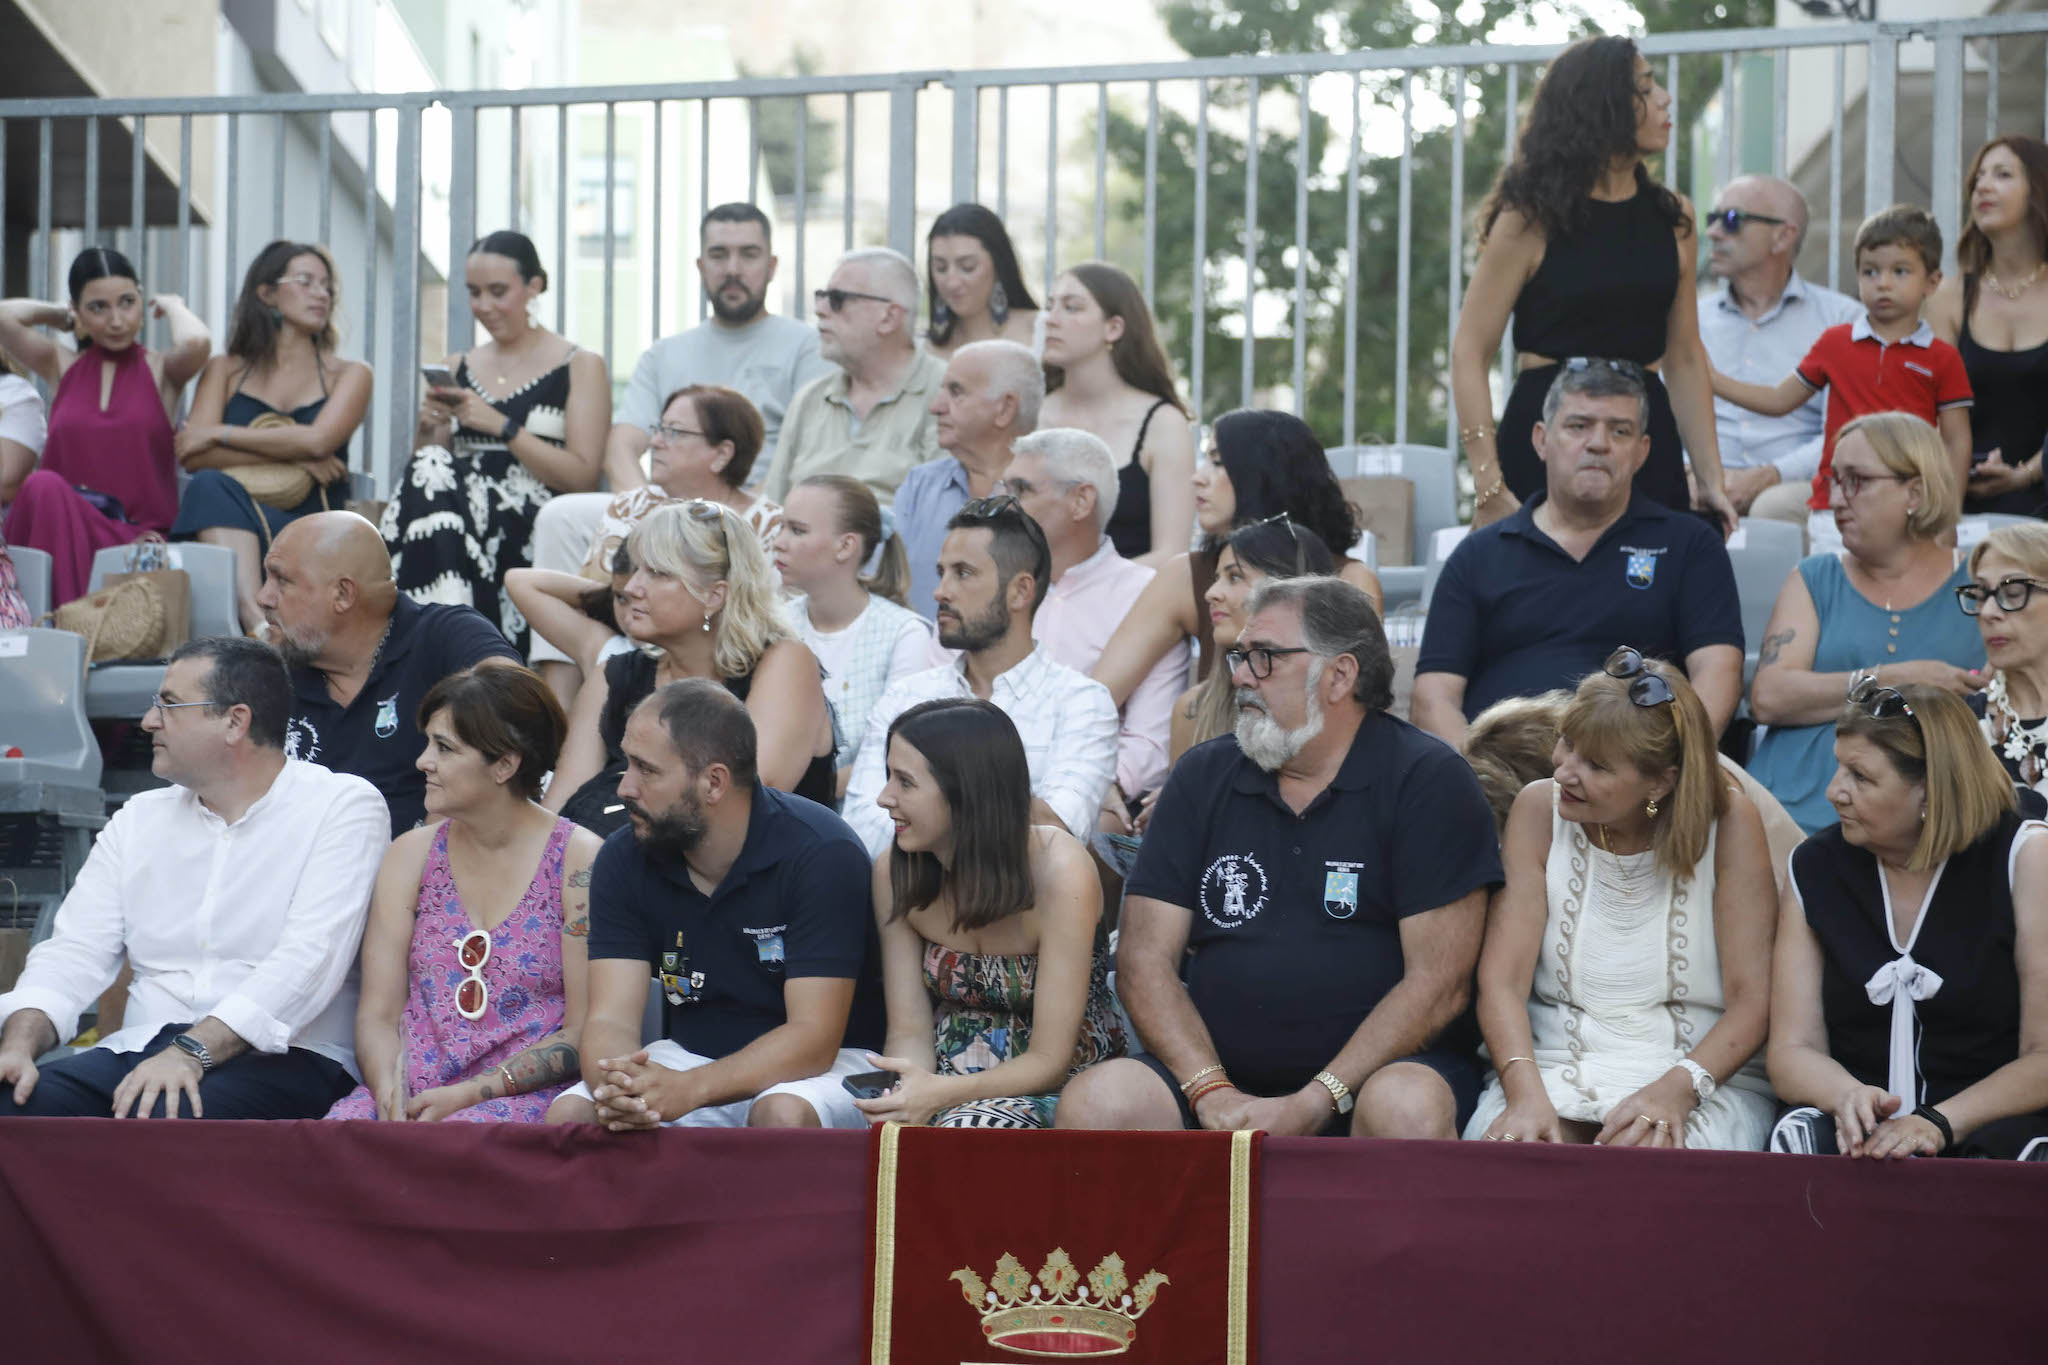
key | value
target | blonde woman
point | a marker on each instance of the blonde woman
(2006, 569)
(1624, 987)
(703, 601)
(1882, 608)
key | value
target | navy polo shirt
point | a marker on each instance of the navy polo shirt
(1297, 918)
(794, 903)
(1514, 615)
(377, 736)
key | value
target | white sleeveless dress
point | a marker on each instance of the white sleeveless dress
(1628, 981)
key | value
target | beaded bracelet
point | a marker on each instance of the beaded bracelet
(1208, 1087)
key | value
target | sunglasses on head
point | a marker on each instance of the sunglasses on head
(1645, 688)
(1293, 534)
(1628, 369)
(1879, 702)
(991, 505)
(473, 993)
(1732, 220)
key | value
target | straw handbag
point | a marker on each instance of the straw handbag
(144, 613)
(274, 483)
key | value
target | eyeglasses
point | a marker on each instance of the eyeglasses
(1732, 220)
(2011, 594)
(700, 509)
(1852, 483)
(1293, 534)
(992, 505)
(665, 433)
(832, 300)
(1881, 703)
(1258, 660)
(473, 993)
(1627, 369)
(312, 284)
(1645, 688)
(158, 704)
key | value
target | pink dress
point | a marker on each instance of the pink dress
(524, 974)
(124, 450)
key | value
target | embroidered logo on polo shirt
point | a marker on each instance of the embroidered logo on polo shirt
(1340, 889)
(1918, 369)
(1642, 565)
(387, 717)
(1233, 890)
(767, 943)
(301, 740)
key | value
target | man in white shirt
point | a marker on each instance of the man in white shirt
(1066, 479)
(1757, 327)
(237, 894)
(741, 346)
(993, 574)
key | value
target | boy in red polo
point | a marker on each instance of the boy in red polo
(1889, 360)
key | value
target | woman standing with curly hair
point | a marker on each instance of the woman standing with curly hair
(1577, 242)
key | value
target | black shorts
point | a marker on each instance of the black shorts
(1460, 1071)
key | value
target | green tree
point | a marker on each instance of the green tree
(1214, 28)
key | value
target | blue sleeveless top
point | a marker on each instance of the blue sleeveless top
(1797, 762)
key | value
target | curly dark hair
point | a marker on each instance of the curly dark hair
(1582, 119)
(1276, 465)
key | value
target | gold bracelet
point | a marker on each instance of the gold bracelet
(1478, 433)
(1512, 1060)
(1190, 1082)
(509, 1088)
(1490, 492)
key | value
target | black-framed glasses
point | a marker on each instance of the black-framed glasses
(832, 300)
(1627, 369)
(1879, 702)
(992, 505)
(164, 708)
(662, 431)
(1852, 483)
(1733, 220)
(1258, 660)
(1645, 688)
(2011, 594)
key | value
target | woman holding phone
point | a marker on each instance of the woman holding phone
(503, 428)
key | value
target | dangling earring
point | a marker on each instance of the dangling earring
(999, 304)
(707, 623)
(1650, 808)
(276, 316)
(942, 317)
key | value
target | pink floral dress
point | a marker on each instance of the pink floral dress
(524, 975)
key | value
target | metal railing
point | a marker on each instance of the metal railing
(1267, 154)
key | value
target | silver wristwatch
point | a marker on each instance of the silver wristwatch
(1702, 1079)
(194, 1049)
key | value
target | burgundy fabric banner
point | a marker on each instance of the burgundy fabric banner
(173, 1241)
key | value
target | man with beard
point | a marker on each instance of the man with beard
(752, 908)
(1300, 931)
(362, 654)
(993, 573)
(1538, 600)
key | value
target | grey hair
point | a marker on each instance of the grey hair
(1336, 618)
(1012, 369)
(890, 274)
(1597, 379)
(1074, 457)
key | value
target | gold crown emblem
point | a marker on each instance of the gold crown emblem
(1058, 1316)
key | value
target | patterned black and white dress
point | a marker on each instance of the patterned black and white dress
(460, 518)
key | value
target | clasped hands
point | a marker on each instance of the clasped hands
(1300, 1113)
(1653, 1116)
(1868, 1123)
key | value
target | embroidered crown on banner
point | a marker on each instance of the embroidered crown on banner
(1058, 1316)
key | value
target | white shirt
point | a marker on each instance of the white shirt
(22, 417)
(255, 923)
(1763, 351)
(1066, 720)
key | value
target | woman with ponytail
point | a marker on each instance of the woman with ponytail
(109, 471)
(1624, 988)
(857, 625)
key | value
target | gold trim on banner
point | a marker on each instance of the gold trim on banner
(1237, 1332)
(885, 1244)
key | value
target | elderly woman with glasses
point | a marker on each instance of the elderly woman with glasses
(1909, 1006)
(1881, 609)
(2006, 569)
(1624, 985)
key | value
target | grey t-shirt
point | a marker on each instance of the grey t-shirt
(768, 360)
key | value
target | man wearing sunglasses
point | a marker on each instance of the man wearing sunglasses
(1300, 931)
(1757, 327)
(237, 894)
(870, 417)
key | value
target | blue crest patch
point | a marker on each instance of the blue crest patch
(387, 717)
(1642, 570)
(1340, 894)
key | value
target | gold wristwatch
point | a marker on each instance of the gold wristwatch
(1340, 1093)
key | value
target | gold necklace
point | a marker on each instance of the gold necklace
(1628, 883)
(2012, 294)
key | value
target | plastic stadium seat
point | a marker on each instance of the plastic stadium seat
(1764, 553)
(1433, 471)
(120, 691)
(32, 571)
(50, 798)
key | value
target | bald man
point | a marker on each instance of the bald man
(1760, 323)
(362, 654)
(869, 418)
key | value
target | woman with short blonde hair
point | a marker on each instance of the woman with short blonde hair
(1625, 978)
(2007, 568)
(1910, 995)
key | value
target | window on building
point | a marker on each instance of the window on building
(589, 224)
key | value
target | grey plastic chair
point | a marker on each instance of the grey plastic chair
(1766, 553)
(32, 571)
(1433, 471)
(121, 691)
(50, 798)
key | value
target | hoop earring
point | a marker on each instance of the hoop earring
(1650, 808)
(999, 304)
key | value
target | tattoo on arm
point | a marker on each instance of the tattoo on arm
(1773, 645)
(543, 1066)
(487, 1091)
(580, 877)
(578, 926)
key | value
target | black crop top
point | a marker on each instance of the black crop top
(1605, 290)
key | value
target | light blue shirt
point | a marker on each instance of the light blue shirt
(1764, 351)
(927, 499)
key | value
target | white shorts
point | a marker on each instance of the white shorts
(825, 1094)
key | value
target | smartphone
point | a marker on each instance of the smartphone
(438, 376)
(869, 1085)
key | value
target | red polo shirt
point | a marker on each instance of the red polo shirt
(1920, 374)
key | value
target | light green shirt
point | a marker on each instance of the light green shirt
(821, 434)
